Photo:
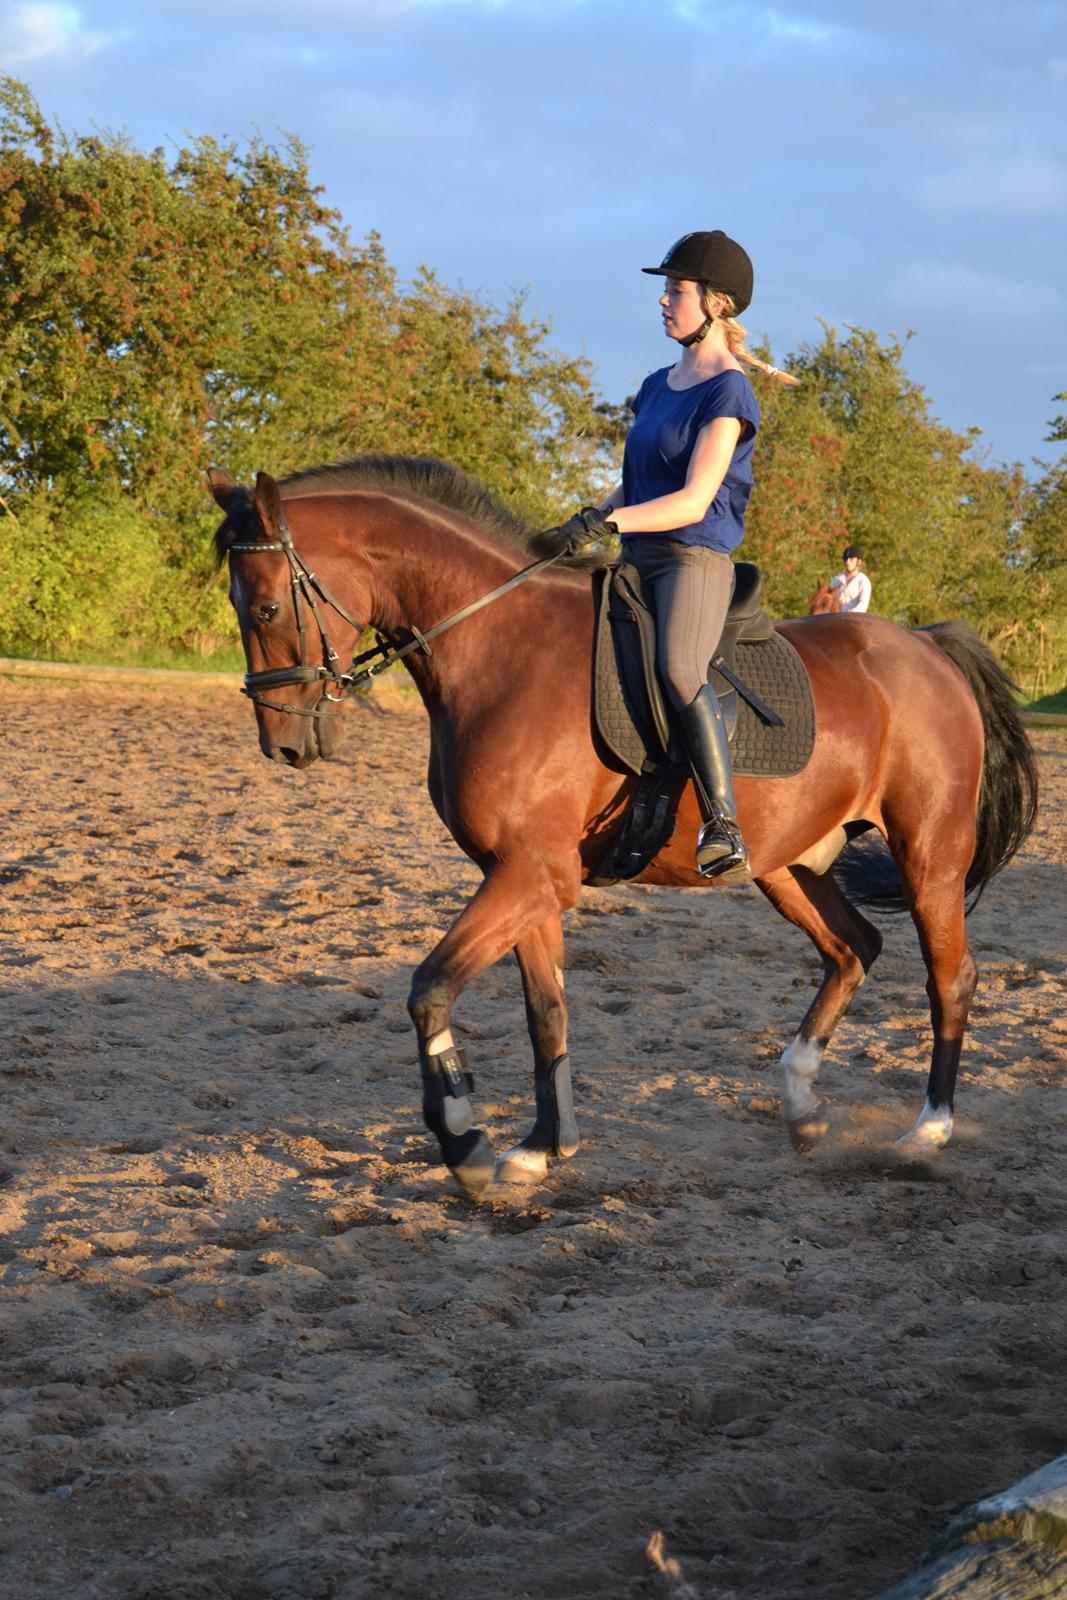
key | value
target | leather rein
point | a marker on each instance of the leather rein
(305, 585)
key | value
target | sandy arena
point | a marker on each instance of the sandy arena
(256, 1348)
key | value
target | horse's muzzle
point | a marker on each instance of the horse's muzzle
(288, 755)
(298, 741)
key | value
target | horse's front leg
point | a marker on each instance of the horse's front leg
(555, 1131)
(517, 895)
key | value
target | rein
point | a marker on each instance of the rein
(304, 584)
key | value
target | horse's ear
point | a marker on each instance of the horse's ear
(268, 502)
(223, 488)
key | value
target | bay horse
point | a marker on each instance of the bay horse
(917, 737)
(826, 601)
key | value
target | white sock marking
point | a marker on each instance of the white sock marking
(800, 1063)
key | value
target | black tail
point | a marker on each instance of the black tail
(1007, 801)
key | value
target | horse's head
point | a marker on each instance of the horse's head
(296, 639)
(826, 599)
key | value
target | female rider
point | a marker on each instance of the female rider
(686, 480)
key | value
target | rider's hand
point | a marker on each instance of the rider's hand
(587, 540)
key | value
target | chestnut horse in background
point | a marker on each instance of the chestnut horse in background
(826, 601)
(917, 737)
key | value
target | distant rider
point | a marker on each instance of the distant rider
(853, 583)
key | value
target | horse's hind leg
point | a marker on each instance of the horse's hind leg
(936, 900)
(555, 1131)
(515, 896)
(849, 946)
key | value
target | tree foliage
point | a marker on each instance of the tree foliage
(854, 456)
(161, 312)
(1058, 426)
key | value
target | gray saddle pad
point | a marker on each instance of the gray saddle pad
(771, 667)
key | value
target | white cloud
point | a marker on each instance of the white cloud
(804, 30)
(43, 31)
(1025, 185)
(774, 24)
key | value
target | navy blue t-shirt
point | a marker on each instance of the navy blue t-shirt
(660, 445)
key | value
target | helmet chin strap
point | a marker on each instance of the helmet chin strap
(701, 333)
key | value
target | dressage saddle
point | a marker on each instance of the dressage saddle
(757, 675)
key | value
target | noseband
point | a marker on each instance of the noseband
(304, 584)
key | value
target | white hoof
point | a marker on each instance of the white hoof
(523, 1167)
(932, 1131)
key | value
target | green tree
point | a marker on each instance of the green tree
(157, 316)
(797, 520)
(854, 455)
(1036, 637)
(1058, 425)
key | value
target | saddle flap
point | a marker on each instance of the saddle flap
(766, 699)
(621, 719)
(633, 625)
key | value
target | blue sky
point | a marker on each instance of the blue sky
(899, 168)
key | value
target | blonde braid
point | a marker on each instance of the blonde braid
(735, 336)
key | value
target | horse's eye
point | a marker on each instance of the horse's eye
(265, 613)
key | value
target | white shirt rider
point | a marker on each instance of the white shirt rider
(855, 586)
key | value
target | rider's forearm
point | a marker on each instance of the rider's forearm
(662, 515)
(613, 501)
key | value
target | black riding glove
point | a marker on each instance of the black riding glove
(587, 540)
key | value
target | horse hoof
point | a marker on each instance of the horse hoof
(522, 1166)
(931, 1133)
(810, 1128)
(474, 1170)
(922, 1141)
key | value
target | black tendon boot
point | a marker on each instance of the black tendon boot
(721, 852)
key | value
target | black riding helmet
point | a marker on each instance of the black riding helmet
(711, 258)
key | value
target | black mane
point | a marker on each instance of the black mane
(421, 477)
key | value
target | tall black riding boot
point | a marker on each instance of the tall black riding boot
(721, 852)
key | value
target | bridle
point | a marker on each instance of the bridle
(305, 585)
